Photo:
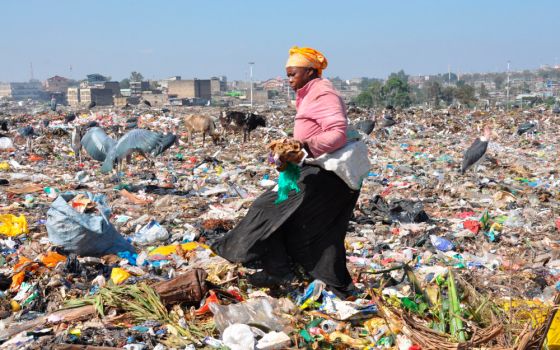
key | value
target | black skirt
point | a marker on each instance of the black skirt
(312, 225)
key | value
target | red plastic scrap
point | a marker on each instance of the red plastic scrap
(472, 225)
(212, 298)
(465, 214)
(387, 261)
(558, 224)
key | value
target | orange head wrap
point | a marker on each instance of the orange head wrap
(307, 57)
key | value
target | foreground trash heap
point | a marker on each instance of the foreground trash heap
(442, 260)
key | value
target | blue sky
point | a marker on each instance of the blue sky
(208, 38)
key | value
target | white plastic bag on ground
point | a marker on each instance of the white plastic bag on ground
(239, 337)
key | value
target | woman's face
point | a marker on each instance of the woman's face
(299, 76)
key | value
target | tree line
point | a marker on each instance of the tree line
(397, 91)
(446, 89)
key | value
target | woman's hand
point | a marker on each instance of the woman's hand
(286, 151)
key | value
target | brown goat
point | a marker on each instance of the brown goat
(203, 124)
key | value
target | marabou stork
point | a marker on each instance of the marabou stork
(142, 141)
(27, 132)
(475, 153)
(366, 126)
(97, 144)
(527, 127)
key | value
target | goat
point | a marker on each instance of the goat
(239, 121)
(203, 124)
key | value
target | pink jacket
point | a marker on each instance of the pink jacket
(321, 117)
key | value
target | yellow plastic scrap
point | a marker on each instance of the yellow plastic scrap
(373, 325)
(553, 336)
(15, 306)
(75, 331)
(348, 340)
(11, 225)
(4, 166)
(119, 275)
(524, 311)
(170, 249)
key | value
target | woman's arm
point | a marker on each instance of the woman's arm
(330, 116)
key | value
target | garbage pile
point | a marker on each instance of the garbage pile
(441, 260)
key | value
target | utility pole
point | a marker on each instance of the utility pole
(31, 70)
(507, 88)
(251, 77)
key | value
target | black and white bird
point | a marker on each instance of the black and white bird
(4, 125)
(366, 126)
(75, 141)
(387, 121)
(527, 128)
(147, 103)
(92, 104)
(475, 153)
(92, 124)
(70, 117)
(27, 132)
(144, 142)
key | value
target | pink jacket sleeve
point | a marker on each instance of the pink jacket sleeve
(332, 119)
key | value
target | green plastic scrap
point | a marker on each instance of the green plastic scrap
(315, 322)
(485, 220)
(409, 304)
(287, 181)
(385, 341)
(306, 336)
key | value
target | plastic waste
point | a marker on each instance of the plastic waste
(6, 143)
(150, 233)
(11, 225)
(239, 337)
(172, 249)
(51, 259)
(259, 311)
(52, 192)
(553, 335)
(274, 341)
(119, 276)
(311, 294)
(83, 234)
(441, 243)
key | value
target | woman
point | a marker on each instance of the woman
(309, 227)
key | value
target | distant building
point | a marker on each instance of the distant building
(102, 97)
(260, 97)
(195, 88)
(136, 87)
(114, 86)
(23, 91)
(215, 86)
(273, 84)
(57, 84)
(95, 78)
(156, 100)
(73, 96)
